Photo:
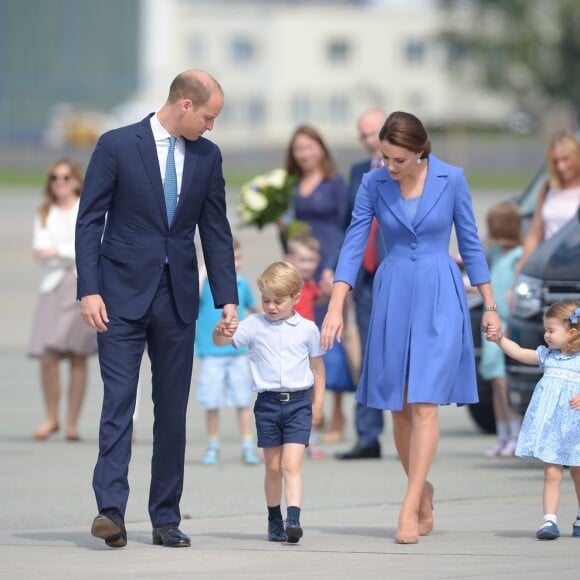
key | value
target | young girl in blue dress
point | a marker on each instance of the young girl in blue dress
(551, 427)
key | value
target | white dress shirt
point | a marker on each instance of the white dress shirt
(161, 137)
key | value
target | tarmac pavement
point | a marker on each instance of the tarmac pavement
(486, 511)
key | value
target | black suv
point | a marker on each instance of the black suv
(550, 274)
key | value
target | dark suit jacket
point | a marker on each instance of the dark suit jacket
(122, 236)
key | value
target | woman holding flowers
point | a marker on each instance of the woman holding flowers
(320, 201)
(320, 194)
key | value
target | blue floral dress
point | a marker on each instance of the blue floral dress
(551, 428)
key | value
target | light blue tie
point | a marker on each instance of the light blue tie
(170, 185)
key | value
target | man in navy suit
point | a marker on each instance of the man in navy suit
(369, 423)
(148, 187)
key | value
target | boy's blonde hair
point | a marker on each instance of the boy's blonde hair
(565, 312)
(304, 239)
(504, 225)
(282, 278)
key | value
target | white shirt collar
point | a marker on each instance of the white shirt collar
(293, 320)
(159, 133)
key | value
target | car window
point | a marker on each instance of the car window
(529, 198)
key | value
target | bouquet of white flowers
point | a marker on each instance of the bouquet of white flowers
(265, 198)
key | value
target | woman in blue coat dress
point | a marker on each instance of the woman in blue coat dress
(420, 348)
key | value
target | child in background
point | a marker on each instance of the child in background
(288, 375)
(224, 373)
(304, 253)
(551, 427)
(504, 250)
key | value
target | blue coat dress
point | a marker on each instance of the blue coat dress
(420, 330)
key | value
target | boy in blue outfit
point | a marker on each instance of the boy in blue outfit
(224, 373)
(288, 375)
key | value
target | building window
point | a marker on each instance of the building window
(255, 110)
(416, 101)
(415, 51)
(242, 50)
(338, 109)
(301, 109)
(196, 51)
(338, 51)
(227, 115)
(455, 54)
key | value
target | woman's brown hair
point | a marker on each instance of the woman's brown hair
(49, 199)
(405, 130)
(328, 165)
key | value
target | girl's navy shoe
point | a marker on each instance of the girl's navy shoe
(576, 529)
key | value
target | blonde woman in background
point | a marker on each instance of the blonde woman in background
(58, 330)
(560, 198)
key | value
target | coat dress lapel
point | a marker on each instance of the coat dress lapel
(389, 194)
(435, 183)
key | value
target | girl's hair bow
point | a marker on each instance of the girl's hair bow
(574, 317)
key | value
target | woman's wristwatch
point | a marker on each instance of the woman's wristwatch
(492, 308)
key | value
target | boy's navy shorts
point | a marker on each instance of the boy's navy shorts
(283, 417)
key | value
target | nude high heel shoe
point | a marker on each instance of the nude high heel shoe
(425, 518)
(407, 532)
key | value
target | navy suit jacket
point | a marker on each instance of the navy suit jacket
(122, 235)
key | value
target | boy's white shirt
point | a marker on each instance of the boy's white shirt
(279, 351)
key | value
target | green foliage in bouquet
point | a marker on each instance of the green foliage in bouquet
(295, 227)
(265, 198)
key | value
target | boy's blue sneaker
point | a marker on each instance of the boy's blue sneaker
(249, 457)
(548, 531)
(576, 529)
(276, 531)
(293, 531)
(211, 456)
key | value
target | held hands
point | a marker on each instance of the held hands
(94, 312)
(575, 402)
(229, 323)
(491, 326)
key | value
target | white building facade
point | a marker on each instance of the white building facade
(282, 64)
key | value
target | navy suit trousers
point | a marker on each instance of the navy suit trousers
(170, 344)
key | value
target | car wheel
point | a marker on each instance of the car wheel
(482, 414)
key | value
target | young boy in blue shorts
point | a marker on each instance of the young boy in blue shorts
(224, 373)
(288, 375)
